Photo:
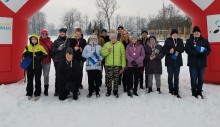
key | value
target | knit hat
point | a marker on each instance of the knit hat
(134, 37)
(104, 30)
(173, 31)
(152, 36)
(69, 50)
(63, 30)
(120, 27)
(44, 31)
(144, 31)
(113, 36)
(93, 36)
(196, 29)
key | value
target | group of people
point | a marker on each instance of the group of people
(125, 58)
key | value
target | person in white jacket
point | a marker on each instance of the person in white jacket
(92, 53)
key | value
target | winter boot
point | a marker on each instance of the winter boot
(116, 94)
(158, 89)
(46, 86)
(89, 95)
(108, 93)
(135, 93)
(199, 93)
(150, 89)
(56, 94)
(178, 96)
(129, 94)
(171, 92)
(75, 96)
(36, 98)
(29, 97)
(97, 94)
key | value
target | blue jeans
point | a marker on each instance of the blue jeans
(173, 79)
(196, 75)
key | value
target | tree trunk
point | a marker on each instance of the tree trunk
(109, 27)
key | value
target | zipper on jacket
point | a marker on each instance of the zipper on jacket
(113, 55)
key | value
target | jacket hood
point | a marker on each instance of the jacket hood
(34, 35)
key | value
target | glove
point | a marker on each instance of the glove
(174, 56)
(134, 64)
(200, 49)
(61, 47)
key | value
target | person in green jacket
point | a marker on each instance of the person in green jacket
(115, 62)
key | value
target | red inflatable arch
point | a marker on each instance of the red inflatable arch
(206, 15)
(14, 16)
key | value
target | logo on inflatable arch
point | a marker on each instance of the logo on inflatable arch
(14, 5)
(6, 30)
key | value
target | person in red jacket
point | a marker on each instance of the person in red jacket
(46, 42)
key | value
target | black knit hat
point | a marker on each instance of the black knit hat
(144, 31)
(120, 27)
(173, 31)
(152, 36)
(63, 30)
(196, 29)
(69, 50)
(104, 30)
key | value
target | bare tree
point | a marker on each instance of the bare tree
(70, 19)
(108, 7)
(85, 21)
(37, 23)
(168, 17)
(51, 29)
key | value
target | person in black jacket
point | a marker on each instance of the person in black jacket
(78, 43)
(153, 58)
(173, 48)
(34, 71)
(143, 41)
(198, 49)
(105, 36)
(58, 53)
(68, 74)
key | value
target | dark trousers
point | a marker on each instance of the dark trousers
(112, 74)
(146, 78)
(124, 79)
(173, 79)
(196, 75)
(94, 80)
(141, 79)
(56, 76)
(81, 72)
(66, 88)
(133, 77)
(31, 74)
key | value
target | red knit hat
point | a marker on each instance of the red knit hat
(44, 31)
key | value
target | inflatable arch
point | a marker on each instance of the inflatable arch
(14, 16)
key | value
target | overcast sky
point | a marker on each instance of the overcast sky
(54, 9)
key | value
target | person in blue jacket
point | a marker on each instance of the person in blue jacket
(92, 53)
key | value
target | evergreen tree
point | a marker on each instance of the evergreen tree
(89, 29)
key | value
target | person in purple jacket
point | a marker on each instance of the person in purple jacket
(135, 55)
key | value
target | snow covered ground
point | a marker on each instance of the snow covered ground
(152, 110)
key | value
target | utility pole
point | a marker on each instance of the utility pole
(163, 23)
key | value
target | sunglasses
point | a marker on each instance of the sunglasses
(44, 34)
